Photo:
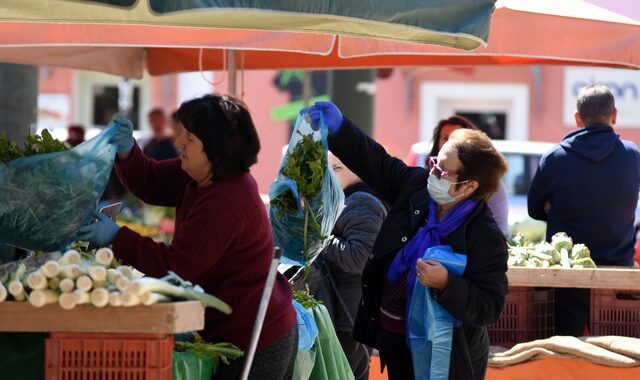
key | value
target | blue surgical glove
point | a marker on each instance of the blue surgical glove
(123, 137)
(332, 115)
(100, 233)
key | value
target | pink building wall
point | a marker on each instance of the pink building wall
(396, 106)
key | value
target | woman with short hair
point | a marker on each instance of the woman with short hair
(444, 205)
(222, 239)
(498, 203)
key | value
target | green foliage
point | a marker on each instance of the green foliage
(33, 144)
(305, 165)
(304, 298)
(217, 351)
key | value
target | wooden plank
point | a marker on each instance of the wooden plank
(595, 278)
(162, 318)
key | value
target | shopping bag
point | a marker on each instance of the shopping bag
(45, 198)
(306, 198)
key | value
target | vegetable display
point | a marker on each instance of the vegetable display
(74, 280)
(559, 253)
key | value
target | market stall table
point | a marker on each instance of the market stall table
(564, 368)
(91, 342)
(593, 278)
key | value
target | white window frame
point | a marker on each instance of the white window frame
(517, 94)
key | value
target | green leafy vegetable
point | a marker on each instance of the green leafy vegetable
(33, 144)
(304, 298)
(217, 351)
(306, 166)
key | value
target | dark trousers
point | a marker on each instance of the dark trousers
(357, 354)
(572, 310)
(395, 354)
(274, 362)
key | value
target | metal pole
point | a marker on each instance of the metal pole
(232, 86)
(262, 311)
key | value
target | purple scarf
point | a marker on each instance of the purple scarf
(430, 235)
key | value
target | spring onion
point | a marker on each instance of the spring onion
(104, 256)
(51, 268)
(67, 301)
(37, 281)
(154, 285)
(115, 299)
(84, 283)
(100, 297)
(39, 298)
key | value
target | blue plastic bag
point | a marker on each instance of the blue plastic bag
(307, 327)
(45, 198)
(430, 325)
(301, 225)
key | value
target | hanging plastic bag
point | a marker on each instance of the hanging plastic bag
(330, 361)
(307, 335)
(306, 197)
(189, 366)
(430, 325)
(46, 197)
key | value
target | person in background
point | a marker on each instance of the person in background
(75, 135)
(587, 186)
(161, 146)
(336, 275)
(498, 203)
(444, 205)
(222, 239)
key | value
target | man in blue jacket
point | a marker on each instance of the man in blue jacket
(587, 186)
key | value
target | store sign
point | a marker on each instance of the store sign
(624, 84)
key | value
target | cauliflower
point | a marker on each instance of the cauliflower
(561, 241)
(580, 251)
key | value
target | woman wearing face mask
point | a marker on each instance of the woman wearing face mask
(498, 203)
(222, 239)
(445, 205)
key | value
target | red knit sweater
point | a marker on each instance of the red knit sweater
(222, 242)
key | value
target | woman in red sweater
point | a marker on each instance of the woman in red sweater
(222, 239)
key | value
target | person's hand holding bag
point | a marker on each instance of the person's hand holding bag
(332, 115)
(123, 137)
(100, 233)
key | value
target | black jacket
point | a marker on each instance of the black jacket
(476, 299)
(337, 272)
(591, 179)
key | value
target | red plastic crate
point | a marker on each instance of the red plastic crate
(528, 315)
(615, 312)
(92, 356)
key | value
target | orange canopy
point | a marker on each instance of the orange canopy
(522, 32)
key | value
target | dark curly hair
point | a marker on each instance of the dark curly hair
(227, 132)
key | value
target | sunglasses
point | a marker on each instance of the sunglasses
(436, 170)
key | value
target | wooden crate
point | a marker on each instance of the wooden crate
(162, 318)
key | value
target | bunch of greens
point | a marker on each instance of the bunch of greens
(304, 298)
(44, 197)
(33, 144)
(305, 165)
(217, 352)
(38, 202)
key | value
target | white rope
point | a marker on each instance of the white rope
(224, 67)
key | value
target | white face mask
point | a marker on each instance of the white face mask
(438, 189)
